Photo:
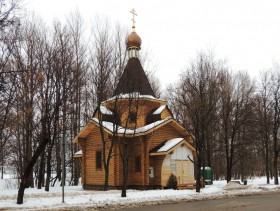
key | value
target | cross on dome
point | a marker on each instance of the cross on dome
(133, 17)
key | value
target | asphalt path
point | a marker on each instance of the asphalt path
(265, 202)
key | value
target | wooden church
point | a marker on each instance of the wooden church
(159, 145)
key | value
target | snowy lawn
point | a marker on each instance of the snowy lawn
(77, 199)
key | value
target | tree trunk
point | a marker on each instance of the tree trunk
(228, 174)
(275, 169)
(76, 172)
(125, 169)
(276, 152)
(48, 178)
(124, 182)
(266, 162)
(242, 168)
(198, 176)
(29, 168)
(58, 161)
(2, 167)
(228, 177)
(271, 172)
(106, 183)
(41, 173)
(209, 164)
(2, 172)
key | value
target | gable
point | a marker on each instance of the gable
(89, 129)
(182, 152)
(178, 147)
(163, 134)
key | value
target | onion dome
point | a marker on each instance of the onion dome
(133, 40)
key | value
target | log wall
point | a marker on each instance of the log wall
(162, 134)
(156, 162)
(93, 175)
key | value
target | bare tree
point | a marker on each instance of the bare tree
(264, 119)
(6, 101)
(235, 110)
(275, 77)
(7, 95)
(8, 10)
(25, 54)
(197, 95)
(80, 66)
(30, 59)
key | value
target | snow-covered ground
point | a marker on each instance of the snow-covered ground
(78, 199)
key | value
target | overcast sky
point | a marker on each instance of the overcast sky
(246, 33)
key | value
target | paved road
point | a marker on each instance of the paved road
(266, 202)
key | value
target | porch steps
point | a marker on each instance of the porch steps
(189, 186)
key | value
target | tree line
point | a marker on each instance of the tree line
(234, 121)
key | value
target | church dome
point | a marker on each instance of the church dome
(133, 40)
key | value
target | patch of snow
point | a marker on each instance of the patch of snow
(79, 199)
(105, 110)
(159, 110)
(80, 152)
(152, 125)
(169, 144)
(210, 189)
(8, 183)
(120, 130)
(234, 186)
(205, 168)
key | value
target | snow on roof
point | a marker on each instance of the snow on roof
(206, 168)
(105, 110)
(152, 125)
(159, 110)
(80, 152)
(169, 144)
(132, 95)
(110, 126)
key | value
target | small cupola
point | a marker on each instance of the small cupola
(133, 41)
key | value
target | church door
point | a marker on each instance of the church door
(181, 171)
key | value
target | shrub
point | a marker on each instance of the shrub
(172, 182)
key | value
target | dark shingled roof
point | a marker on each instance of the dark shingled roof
(134, 79)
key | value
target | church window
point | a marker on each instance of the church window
(151, 172)
(138, 164)
(98, 160)
(132, 117)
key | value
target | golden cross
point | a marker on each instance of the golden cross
(133, 18)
